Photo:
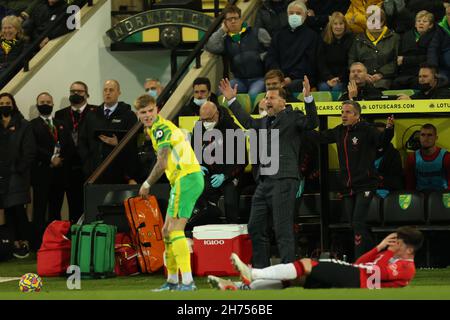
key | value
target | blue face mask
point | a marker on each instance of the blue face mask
(199, 102)
(295, 21)
(152, 93)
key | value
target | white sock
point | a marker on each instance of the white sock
(278, 272)
(266, 285)
(172, 278)
(187, 278)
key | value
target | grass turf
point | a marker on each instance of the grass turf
(428, 284)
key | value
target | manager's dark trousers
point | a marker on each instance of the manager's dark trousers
(276, 196)
(357, 206)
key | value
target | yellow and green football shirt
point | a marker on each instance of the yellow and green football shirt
(182, 160)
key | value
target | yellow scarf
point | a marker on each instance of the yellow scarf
(7, 45)
(372, 38)
(236, 37)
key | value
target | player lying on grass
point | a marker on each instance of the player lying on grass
(389, 264)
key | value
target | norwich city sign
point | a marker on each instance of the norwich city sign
(159, 18)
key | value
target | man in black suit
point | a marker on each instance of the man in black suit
(47, 175)
(279, 178)
(102, 132)
(73, 118)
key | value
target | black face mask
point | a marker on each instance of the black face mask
(45, 109)
(76, 99)
(424, 87)
(5, 111)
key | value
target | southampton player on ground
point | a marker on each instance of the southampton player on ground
(390, 264)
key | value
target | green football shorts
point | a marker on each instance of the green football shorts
(184, 195)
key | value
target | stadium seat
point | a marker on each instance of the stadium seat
(243, 98)
(309, 205)
(438, 207)
(258, 98)
(404, 208)
(336, 95)
(374, 215)
(408, 92)
(319, 96)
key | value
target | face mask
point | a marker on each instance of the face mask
(209, 125)
(263, 113)
(295, 21)
(76, 99)
(45, 109)
(5, 111)
(425, 87)
(152, 93)
(199, 102)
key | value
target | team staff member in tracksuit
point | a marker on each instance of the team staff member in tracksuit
(275, 192)
(54, 145)
(73, 118)
(357, 143)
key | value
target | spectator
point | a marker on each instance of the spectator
(356, 14)
(274, 79)
(272, 16)
(54, 146)
(439, 49)
(16, 7)
(73, 118)
(357, 143)
(293, 49)
(153, 87)
(377, 48)
(42, 16)
(319, 12)
(430, 85)
(276, 190)
(11, 41)
(16, 137)
(413, 51)
(428, 169)
(333, 54)
(245, 47)
(359, 88)
(221, 177)
(401, 14)
(388, 165)
(202, 93)
(102, 132)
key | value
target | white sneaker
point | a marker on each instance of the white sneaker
(242, 268)
(222, 284)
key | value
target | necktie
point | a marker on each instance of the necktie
(107, 113)
(76, 115)
(49, 123)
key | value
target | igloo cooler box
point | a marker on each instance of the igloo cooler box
(213, 245)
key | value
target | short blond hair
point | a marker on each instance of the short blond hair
(425, 14)
(16, 23)
(144, 101)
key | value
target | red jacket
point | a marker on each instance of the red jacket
(394, 272)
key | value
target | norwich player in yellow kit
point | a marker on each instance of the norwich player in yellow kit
(176, 158)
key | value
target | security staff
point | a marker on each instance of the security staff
(102, 132)
(48, 172)
(276, 192)
(73, 118)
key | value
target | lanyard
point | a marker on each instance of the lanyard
(74, 121)
(53, 130)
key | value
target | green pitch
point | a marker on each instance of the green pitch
(428, 284)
